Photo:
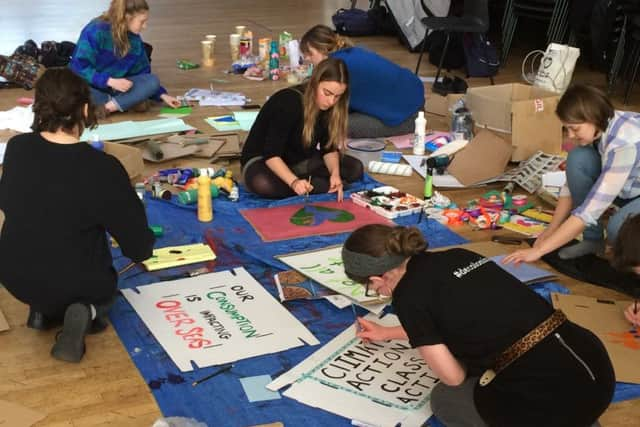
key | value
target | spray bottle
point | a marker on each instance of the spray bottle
(419, 134)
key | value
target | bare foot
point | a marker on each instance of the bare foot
(111, 107)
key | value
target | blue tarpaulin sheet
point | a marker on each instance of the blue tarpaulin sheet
(221, 401)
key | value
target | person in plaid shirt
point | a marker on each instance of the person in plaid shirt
(602, 171)
(111, 57)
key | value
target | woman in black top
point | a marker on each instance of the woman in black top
(60, 197)
(462, 311)
(294, 145)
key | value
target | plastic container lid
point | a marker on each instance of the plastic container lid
(366, 145)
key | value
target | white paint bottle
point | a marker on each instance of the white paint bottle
(419, 134)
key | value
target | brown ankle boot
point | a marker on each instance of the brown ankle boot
(142, 107)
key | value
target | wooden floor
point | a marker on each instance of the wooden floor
(106, 388)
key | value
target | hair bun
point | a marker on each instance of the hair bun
(406, 241)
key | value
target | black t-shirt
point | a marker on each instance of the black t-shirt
(59, 201)
(461, 299)
(277, 131)
(474, 307)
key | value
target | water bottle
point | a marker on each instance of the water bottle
(274, 61)
(419, 134)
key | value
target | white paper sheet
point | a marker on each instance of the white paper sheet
(325, 267)
(216, 318)
(382, 383)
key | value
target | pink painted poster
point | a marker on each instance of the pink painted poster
(311, 219)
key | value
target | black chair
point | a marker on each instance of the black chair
(474, 20)
(553, 11)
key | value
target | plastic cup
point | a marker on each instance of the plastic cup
(207, 53)
(234, 45)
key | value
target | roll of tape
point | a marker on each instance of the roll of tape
(389, 168)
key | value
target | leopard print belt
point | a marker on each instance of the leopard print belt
(524, 344)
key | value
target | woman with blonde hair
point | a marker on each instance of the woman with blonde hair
(111, 57)
(504, 356)
(385, 98)
(294, 145)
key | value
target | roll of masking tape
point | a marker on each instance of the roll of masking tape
(389, 168)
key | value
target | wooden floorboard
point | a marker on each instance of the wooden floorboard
(106, 388)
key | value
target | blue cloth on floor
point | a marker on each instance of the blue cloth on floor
(222, 401)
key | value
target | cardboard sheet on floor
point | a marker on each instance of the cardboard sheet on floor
(485, 157)
(361, 380)
(169, 152)
(325, 266)
(311, 219)
(605, 318)
(4, 325)
(15, 415)
(216, 318)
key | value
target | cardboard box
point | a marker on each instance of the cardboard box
(440, 105)
(130, 157)
(524, 114)
(484, 157)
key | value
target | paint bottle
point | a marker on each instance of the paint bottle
(274, 61)
(190, 197)
(205, 208)
(419, 134)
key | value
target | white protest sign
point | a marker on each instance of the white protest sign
(325, 266)
(216, 318)
(378, 383)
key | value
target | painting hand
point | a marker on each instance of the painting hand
(170, 101)
(335, 186)
(632, 315)
(370, 331)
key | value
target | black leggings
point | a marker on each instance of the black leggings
(261, 180)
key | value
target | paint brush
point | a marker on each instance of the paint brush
(127, 268)
(355, 316)
(208, 377)
(306, 196)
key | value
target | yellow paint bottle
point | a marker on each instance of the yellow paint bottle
(205, 204)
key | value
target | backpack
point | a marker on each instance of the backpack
(353, 22)
(481, 57)
(21, 69)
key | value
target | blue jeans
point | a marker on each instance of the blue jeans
(144, 87)
(583, 169)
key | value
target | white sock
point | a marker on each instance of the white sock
(93, 311)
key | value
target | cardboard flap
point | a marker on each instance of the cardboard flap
(605, 318)
(130, 157)
(491, 106)
(538, 128)
(486, 156)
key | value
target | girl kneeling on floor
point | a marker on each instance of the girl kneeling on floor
(503, 355)
(294, 145)
(60, 197)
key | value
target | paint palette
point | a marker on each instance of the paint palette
(388, 201)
